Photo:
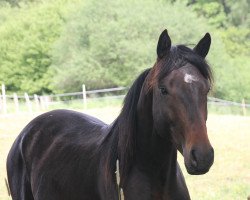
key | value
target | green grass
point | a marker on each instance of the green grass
(108, 101)
(228, 179)
(76, 104)
(91, 103)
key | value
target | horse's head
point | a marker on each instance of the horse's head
(180, 82)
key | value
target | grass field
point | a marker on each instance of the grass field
(228, 179)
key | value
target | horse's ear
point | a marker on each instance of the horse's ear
(164, 44)
(203, 46)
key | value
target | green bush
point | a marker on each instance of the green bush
(26, 41)
(56, 46)
(110, 47)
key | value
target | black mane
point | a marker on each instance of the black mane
(121, 136)
(127, 125)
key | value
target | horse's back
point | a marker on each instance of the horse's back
(54, 154)
(60, 129)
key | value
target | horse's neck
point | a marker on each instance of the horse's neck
(156, 157)
(153, 152)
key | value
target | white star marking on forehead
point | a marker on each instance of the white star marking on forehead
(188, 78)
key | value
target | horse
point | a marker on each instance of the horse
(68, 155)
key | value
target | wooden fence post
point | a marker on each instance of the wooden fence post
(84, 96)
(28, 103)
(42, 102)
(15, 98)
(36, 102)
(4, 99)
(46, 98)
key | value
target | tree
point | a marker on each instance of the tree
(109, 47)
(27, 36)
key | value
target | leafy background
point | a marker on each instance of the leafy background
(56, 46)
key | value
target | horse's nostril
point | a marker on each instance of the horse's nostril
(193, 158)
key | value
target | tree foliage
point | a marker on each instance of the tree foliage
(223, 12)
(232, 18)
(56, 46)
(26, 41)
(109, 47)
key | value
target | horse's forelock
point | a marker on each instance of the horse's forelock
(179, 56)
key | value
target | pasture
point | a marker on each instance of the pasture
(229, 177)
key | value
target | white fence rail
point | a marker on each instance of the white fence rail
(227, 103)
(80, 100)
(35, 103)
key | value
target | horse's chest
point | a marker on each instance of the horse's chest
(141, 187)
(160, 196)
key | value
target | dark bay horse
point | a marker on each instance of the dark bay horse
(66, 155)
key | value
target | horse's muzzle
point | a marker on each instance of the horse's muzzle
(198, 161)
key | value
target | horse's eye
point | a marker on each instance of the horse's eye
(163, 90)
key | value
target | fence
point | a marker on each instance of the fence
(75, 100)
(93, 99)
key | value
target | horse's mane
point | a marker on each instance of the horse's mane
(185, 55)
(126, 125)
(121, 136)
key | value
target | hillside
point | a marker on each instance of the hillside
(55, 46)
